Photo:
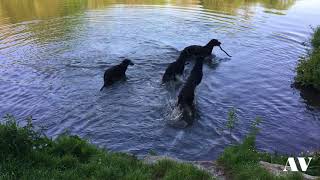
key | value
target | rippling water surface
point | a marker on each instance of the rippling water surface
(53, 54)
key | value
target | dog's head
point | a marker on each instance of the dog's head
(215, 42)
(127, 62)
(184, 55)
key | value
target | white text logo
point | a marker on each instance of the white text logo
(293, 166)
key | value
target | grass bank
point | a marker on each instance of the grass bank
(25, 154)
(308, 69)
(241, 161)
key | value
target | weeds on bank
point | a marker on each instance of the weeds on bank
(308, 69)
(232, 119)
(26, 154)
(241, 161)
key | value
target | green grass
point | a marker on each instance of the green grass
(308, 69)
(314, 166)
(242, 162)
(25, 154)
(232, 119)
(316, 38)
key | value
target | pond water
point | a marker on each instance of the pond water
(53, 54)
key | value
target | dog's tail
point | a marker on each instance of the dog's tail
(102, 87)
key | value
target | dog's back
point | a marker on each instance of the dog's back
(203, 51)
(196, 50)
(175, 68)
(186, 95)
(196, 72)
(116, 73)
(170, 72)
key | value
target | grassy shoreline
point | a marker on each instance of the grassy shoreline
(308, 69)
(26, 154)
(242, 162)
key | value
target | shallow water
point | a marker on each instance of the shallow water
(53, 55)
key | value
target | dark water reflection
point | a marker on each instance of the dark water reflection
(53, 54)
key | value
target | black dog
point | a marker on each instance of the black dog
(203, 51)
(175, 68)
(186, 95)
(116, 73)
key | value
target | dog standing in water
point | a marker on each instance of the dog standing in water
(186, 95)
(202, 51)
(116, 73)
(176, 68)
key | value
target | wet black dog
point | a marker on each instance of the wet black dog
(203, 51)
(116, 73)
(186, 95)
(176, 68)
